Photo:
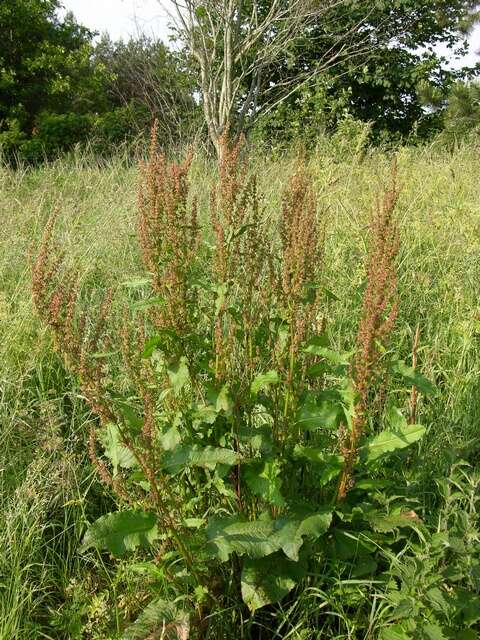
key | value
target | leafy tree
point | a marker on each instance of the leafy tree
(382, 86)
(45, 64)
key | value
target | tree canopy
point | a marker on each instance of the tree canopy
(287, 69)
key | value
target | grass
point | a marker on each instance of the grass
(48, 491)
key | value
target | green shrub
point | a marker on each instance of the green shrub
(122, 125)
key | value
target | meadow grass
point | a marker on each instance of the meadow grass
(48, 490)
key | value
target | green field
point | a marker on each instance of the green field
(49, 491)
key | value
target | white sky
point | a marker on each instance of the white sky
(123, 18)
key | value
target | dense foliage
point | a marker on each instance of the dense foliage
(418, 580)
(399, 38)
(58, 87)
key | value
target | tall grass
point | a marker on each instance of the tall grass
(47, 488)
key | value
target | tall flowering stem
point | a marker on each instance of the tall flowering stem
(240, 259)
(302, 243)
(168, 235)
(379, 311)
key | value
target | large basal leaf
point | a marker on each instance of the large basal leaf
(290, 530)
(260, 538)
(229, 535)
(160, 619)
(263, 381)
(263, 479)
(386, 523)
(118, 454)
(198, 456)
(413, 377)
(268, 580)
(122, 531)
(389, 441)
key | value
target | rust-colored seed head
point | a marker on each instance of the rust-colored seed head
(378, 314)
(168, 235)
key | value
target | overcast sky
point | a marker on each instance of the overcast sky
(123, 18)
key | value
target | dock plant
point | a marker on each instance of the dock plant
(244, 449)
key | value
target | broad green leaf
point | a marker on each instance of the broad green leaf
(170, 439)
(349, 398)
(384, 524)
(321, 340)
(318, 346)
(263, 479)
(257, 438)
(132, 419)
(368, 484)
(434, 632)
(121, 531)
(345, 545)
(263, 381)
(259, 538)
(178, 374)
(155, 341)
(325, 414)
(229, 535)
(394, 632)
(363, 567)
(155, 618)
(289, 531)
(150, 345)
(268, 580)
(318, 369)
(330, 464)
(118, 454)
(194, 523)
(150, 569)
(413, 377)
(204, 414)
(389, 441)
(395, 419)
(224, 400)
(198, 456)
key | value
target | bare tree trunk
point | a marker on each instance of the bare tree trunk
(233, 46)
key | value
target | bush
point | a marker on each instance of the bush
(58, 133)
(124, 124)
(53, 134)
